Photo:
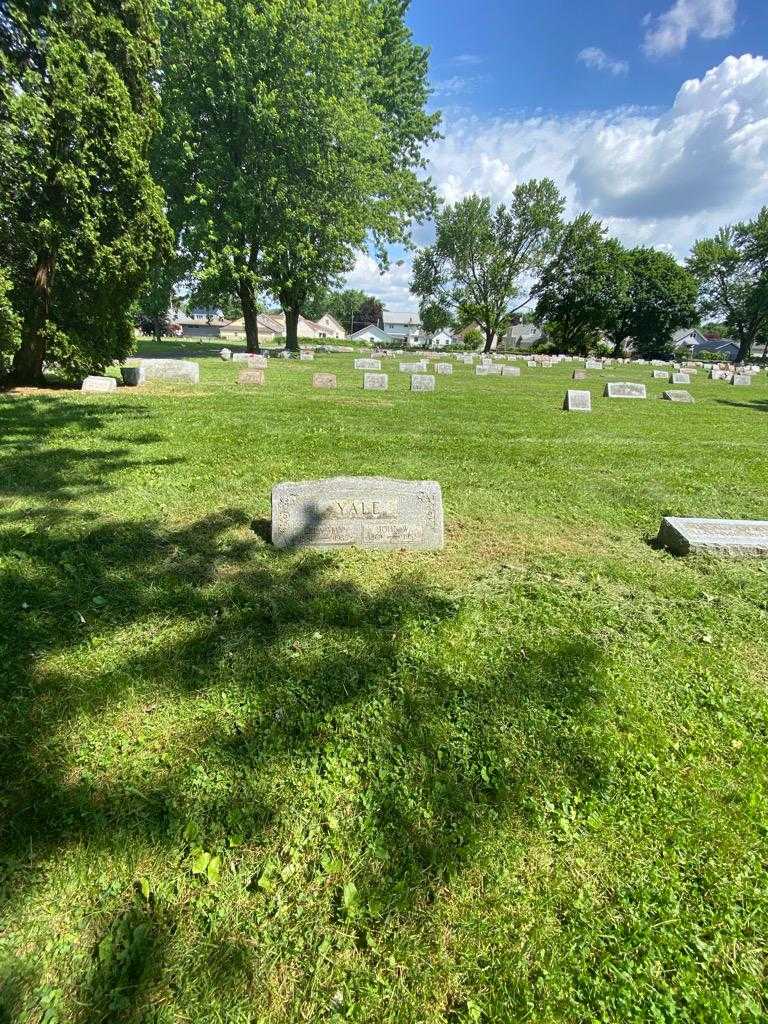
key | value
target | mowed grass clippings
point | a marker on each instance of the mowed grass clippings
(522, 779)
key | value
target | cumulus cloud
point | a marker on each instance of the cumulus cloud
(599, 60)
(392, 287)
(663, 178)
(468, 59)
(669, 33)
(456, 85)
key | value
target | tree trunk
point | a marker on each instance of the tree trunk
(488, 340)
(247, 295)
(745, 348)
(292, 329)
(158, 334)
(27, 367)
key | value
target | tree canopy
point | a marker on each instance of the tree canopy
(293, 133)
(732, 271)
(81, 219)
(477, 268)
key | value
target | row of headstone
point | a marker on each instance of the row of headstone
(581, 401)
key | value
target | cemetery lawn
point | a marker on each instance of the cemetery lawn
(522, 779)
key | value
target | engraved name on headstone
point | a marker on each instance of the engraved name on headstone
(742, 380)
(324, 380)
(422, 382)
(444, 368)
(510, 371)
(177, 370)
(413, 367)
(367, 364)
(734, 537)
(660, 375)
(681, 378)
(366, 512)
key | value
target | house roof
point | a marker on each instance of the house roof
(397, 317)
(330, 316)
(371, 328)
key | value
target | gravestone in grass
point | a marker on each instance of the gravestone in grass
(660, 375)
(225, 354)
(324, 380)
(593, 364)
(376, 381)
(715, 374)
(741, 380)
(444, 368)
(532, 364)
(488, 370)
(510, 371)
(681, 378)
(422, 382)
(733, 537)
(176, 370)
(306, 356)
(577, 401)
(413, 367)
(624, 389)
(102, 384)
(251, 377)
(678, 396)
(579, 375)
(367, 364)
(366, 512)
(132, 375)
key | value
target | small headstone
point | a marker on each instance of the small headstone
(422, 382)
(99, 384)
(579, 375)
(413, 367)
(251, 377)
(443, 368)
(488, 370)
(324, 380)
(375, 381)
(132, 375)
(681, 378)
(532, 363)
(366, 512)
(593, 364)
(225, 354)
(660, 375)
(741, 380)
(177, 370)
(367, 364)
(578, 401)
(306, 356)
(510, 371)
(624, 389)
(678, 396)
(715, 374)
(733, 537)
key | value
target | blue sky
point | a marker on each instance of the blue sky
(653, 114)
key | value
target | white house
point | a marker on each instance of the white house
(441, 339)
(403, 327)
(329, 327)
(272, 325)
(689, 338)
(373, 334)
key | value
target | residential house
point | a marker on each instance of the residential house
(403, 327)
(521, 336)
(688, 338)
(272, 325)
(441, 339)
(184, 326)
(373, 334)
(329, 327)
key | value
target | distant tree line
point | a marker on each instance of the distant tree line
(488, 265)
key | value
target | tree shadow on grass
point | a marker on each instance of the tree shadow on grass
(283, 693)
(755, 404)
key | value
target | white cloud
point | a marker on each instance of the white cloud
(392, 287)
(456, 85)
(468, 59)
(669, 33)
(656, 178)
(599, 60)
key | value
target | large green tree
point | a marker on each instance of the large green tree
(732, 272)
(579, 288)
(654, 296)
(81, 219)
(293, 136)
(477, 268)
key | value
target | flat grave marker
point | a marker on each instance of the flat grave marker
(375, 513)
(660, 375)
(681, 378)
(324, 380)
(250, 377)
(367, 364)
(579, 375)
(678, 396)
(737, 538)
(624, 389)
(99, 384)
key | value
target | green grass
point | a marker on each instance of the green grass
(522, 779)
